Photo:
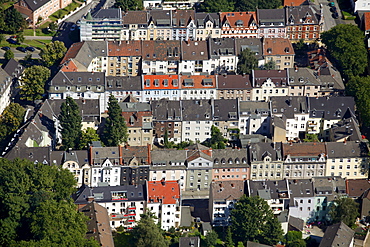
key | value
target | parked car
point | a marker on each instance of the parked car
(335, 15)
(333, 9)
(22, 49)
(331, 4)
(73, 27)
(30, 48)
(6, 48)
(12, 41)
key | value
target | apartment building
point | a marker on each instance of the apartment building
(303, 82)
(266, 161)
(303, 22)
(348, 159)
(226, 117)
(164, 200)
(254, 118)
(230, 164)
(234, 87)
(271, 23)
(124, 58)
(302, 203)
(122, 87)
(207, 26)
(239, 25)
(194, 59)
(222, 197)
(279, 50)
(304, 160)
(105, 24)
(198, 87)
(135, 25)
(77, 163)
(267, 83)
(156, 87)
(223, 55)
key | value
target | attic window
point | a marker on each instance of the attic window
(207, 82)
(175, 82)
(79, 79)
(188, 83)
(269, 50)
(286, 49)
(165, 82)
(156, 82)
(147, 82)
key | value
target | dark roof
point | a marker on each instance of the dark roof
(34, 154)
(196, 110)
(189, 242)
(164, 110)
(135, 17)
(331, 108)
(141, 153)
(79, 156)
(87, 107)
(347, 128)
(123, 83)
(268, 189)
(267, 16)
(253, 44)
(13, 68)
(225, 110)
(300, 14)
(329, 186)
(221, 47)
(36, 4)
(134, 106)
(289, 105)
(158, 50)
(108, 14)
(337, 235)
(202, 18)
(104, 193)
(259, 151)
(182, 17)
(98, 226)
(348, 149)
(78, 78)
(254, 244)
(230, 158)
(301, 188)
(234, 82)
(303, 77)
(296, 223)
(278, 77)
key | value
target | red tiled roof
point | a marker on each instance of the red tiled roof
(72, 51)
(304, 149)
(124, 48)
(233, 17)
(277, 46)
(161, 83)
(294, 2)
(356, 187)
(167, 191)
(69, 66)
(198, 81)
(367, 21)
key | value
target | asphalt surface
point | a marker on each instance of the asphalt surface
(329, 20)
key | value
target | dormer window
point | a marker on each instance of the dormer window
(175, 83)
(156, 83)
(286, 49)
(165, 82)
(188, 83)
(269, 50)
(147, 83)
(79, 79)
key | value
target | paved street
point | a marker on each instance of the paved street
(19, 55)
(329, 21)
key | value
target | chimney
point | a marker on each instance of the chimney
(90, 199)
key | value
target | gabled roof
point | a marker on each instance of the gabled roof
(238, 19)
(13, 68)
(141, 153)
(347, 129)
(225, 110)
(231, 158)
(135, 17)
(123, 83)
(337, 235)
(301, 188)
(221, 47)
(267, 16)
(135, 106)
(253, 44)
(268, 189)
(198, 81)
(303, 77)
(166, 192)
(348, 149)
(302, 15)
(161, 50)
(159, 82)
(36, 4)
(202, 18)
(304, 149)
(87, 107)
(278, 77)
(277, 47)
(182, 17)
(196, 110)
(257, 150)
(330, 108)
(289, 106)
(34, 154)
(78, 78)
(164, 110)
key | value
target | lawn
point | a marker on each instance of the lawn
(63, 12)
(28, 32)
(37, 43)
(348, 16)
(7, 5)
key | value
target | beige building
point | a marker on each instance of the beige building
(234, 87)
(279, 50)
(124, 58)
(208, 26)
(303, 82)
(347, 159)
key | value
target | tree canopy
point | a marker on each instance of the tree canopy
(70, 122)
(294, 239)
(247, 62)
(345, 43)
(129, 4)
(344, 209)
(53, 52)
(8, 55)
(359, 87)
(253, 220)
(88, 136)
(36, 208)
(10, 120)
(33, 82)
(11, 21)
(212, 6)
(217, 141)
(115, 129)
(147, 234)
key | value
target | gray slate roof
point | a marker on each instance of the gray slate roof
(196, 110)
(289, 105)
(303, 77)
(108, 14)
(349, 149)
(123, 83)
(258, 151)
(301, 188)
(330, 108)
(13, 68)
(164, 109)
(268, 189)
(225, 110)
(337, 235)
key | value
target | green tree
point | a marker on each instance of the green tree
(10, 121)
(36, 208)
(270, 65)
(88, 136)
(2, 37)
(70, 123)
(345, 42)
(253, 220)
(53, 52)
(311, 138)
(8, 55)
(217, 141)
(229, 238)
(344, 209)
(300, 45)
(147, 233)
(115, 129)
(20, 38)
(53, 26)
(212, 6)
(251, 5)
(14, 21)
(359, 87)
(33, 82)
(294, 239)
(166, 142)
(247, 62)
(211, 239)
(182, 145)
(129, 4)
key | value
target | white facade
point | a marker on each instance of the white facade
(157, 94)
(165, 67)
(169, 175)
(196, 130)
(268, 89)
(169, 215)
(296, 125)
(198, 93)
(81, 173)
(303, 208)
(106, 173)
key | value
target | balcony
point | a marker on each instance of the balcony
(118, 216)
(312, 124)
